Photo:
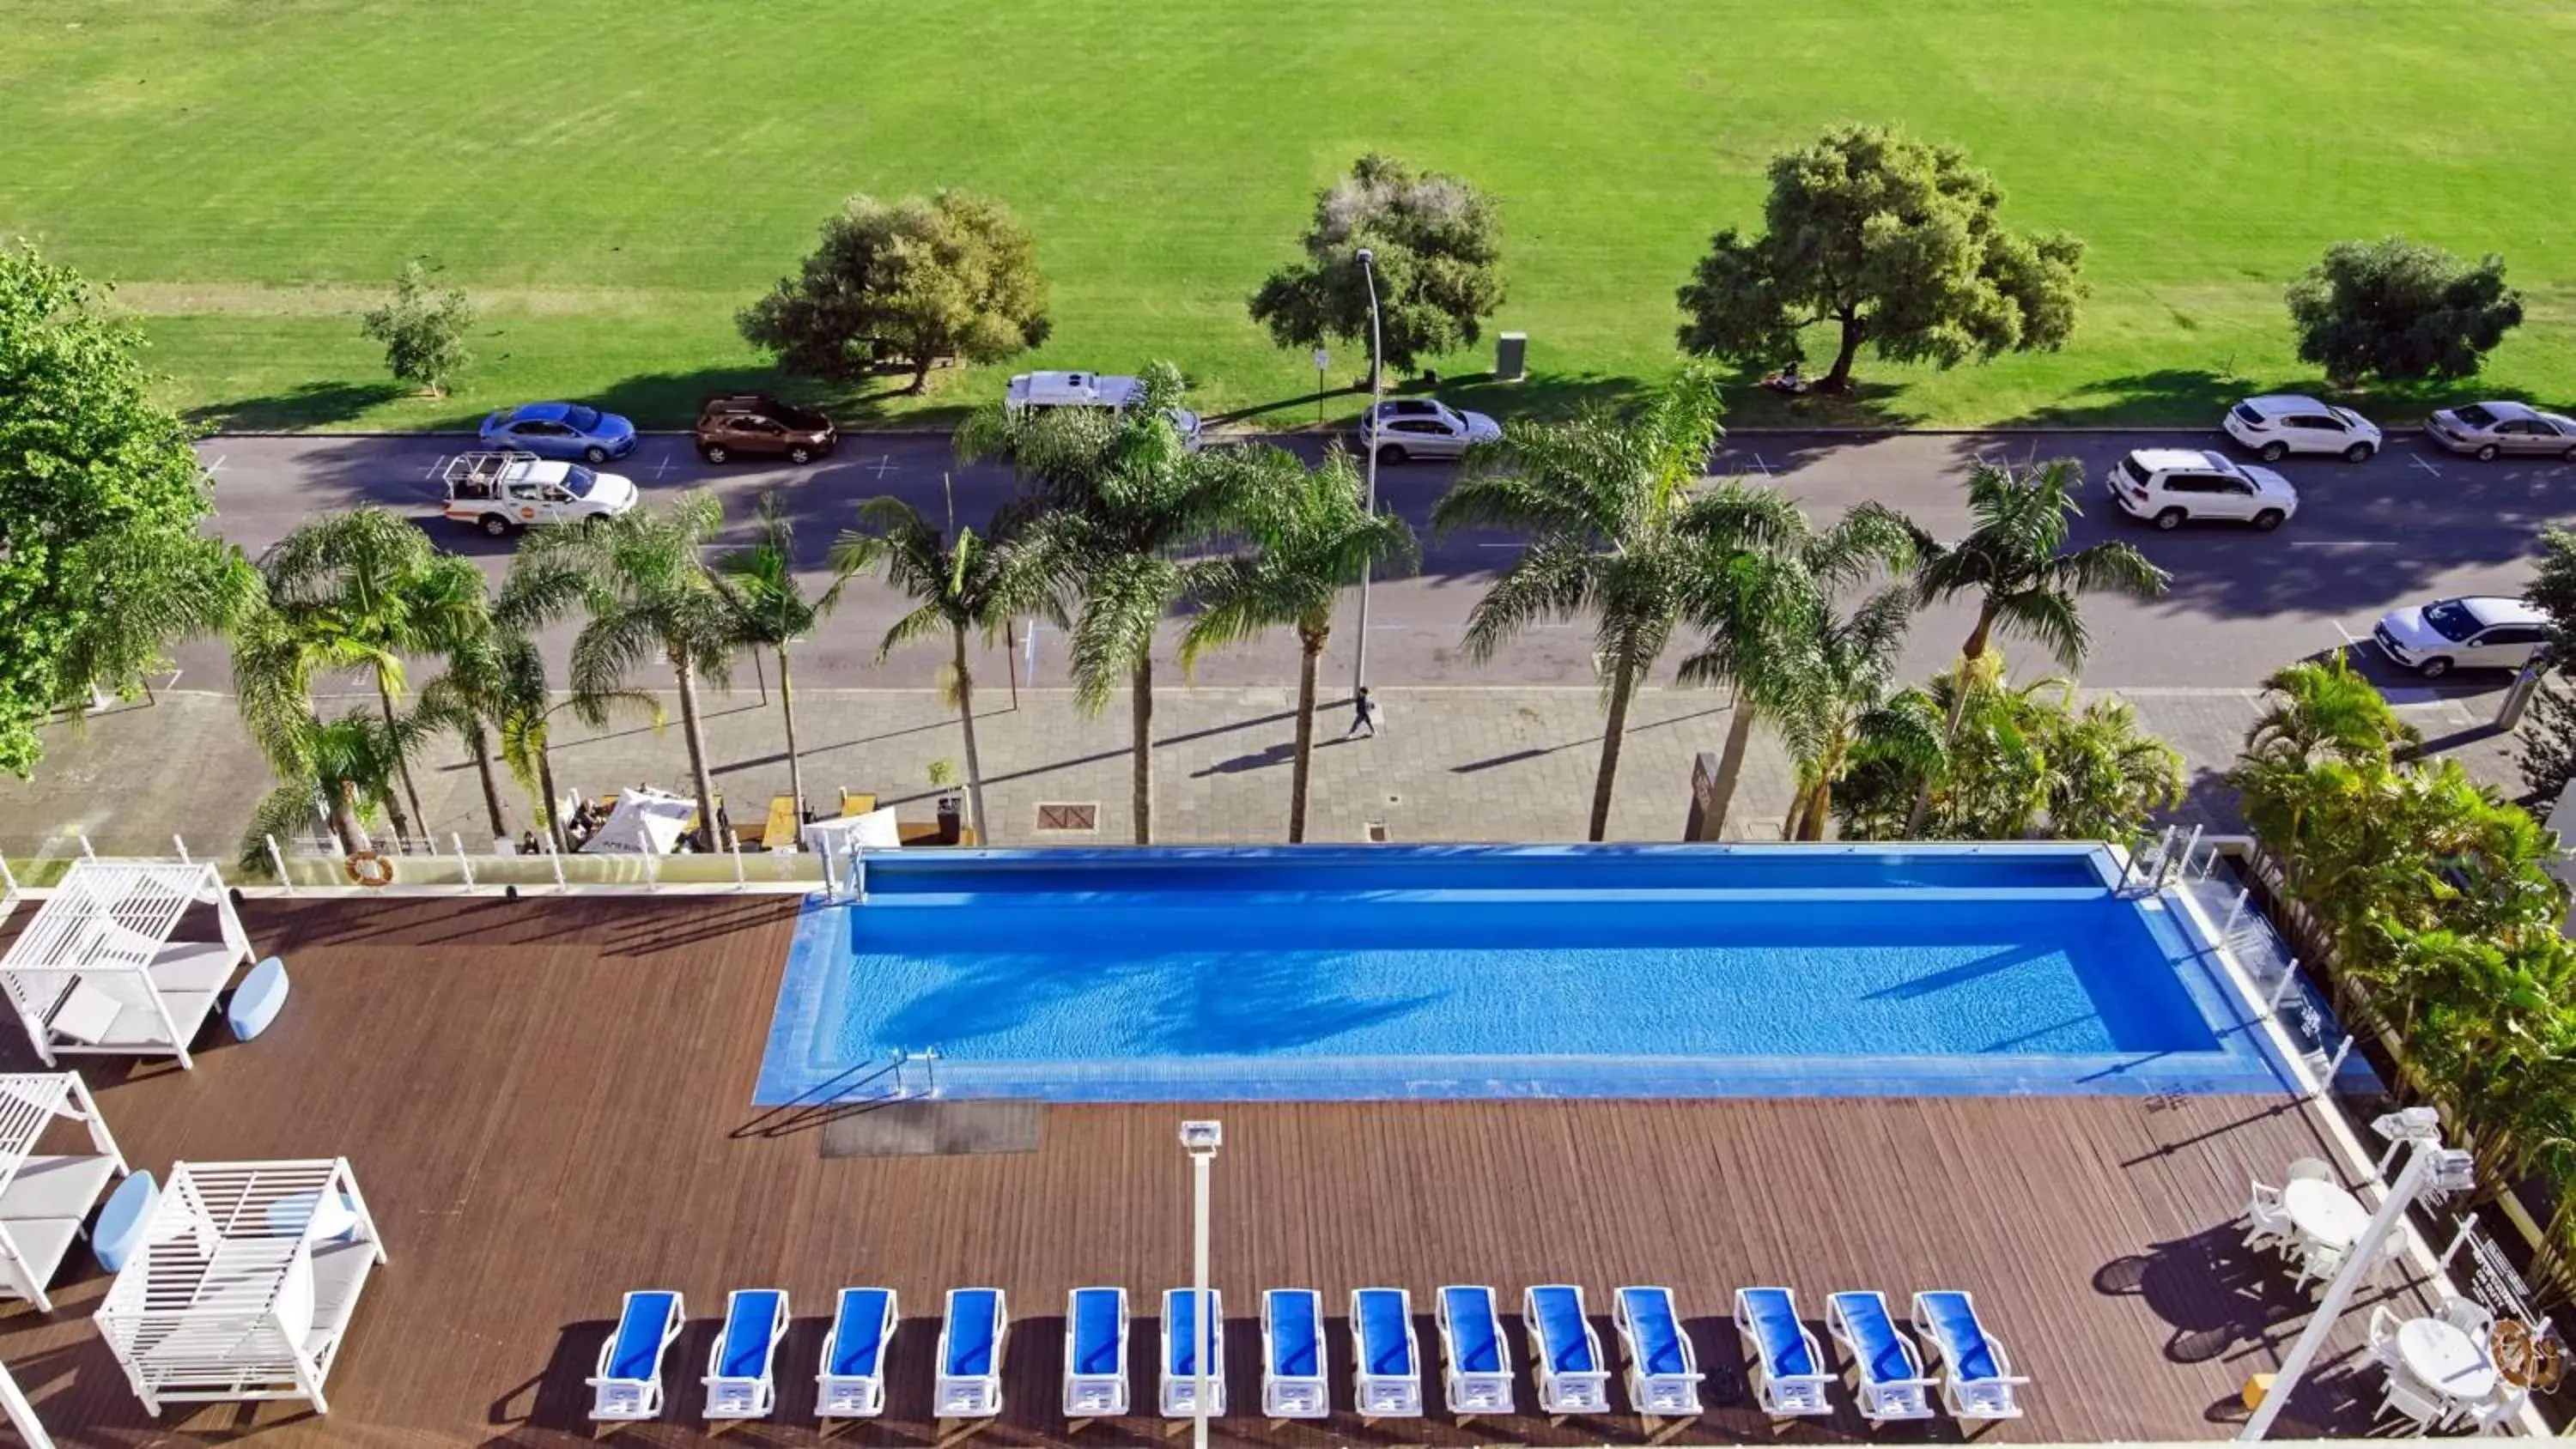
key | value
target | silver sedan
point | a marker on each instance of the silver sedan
(2490, 430)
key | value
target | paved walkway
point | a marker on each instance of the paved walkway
(1451, 764)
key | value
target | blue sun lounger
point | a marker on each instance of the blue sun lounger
(1477, 1372)
(1095, 1355)
(970, 1354)
(741, 1382)
(628, 1384)
(1386, 1383)
(1293, 1377)
(1789, 1375)
(1892, 1385)
(1663, 1368)
(850, 1381)
(1565, 1354)
(1977, 1380)
(1180, 1354)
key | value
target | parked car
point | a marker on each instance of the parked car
(2472, 633)
(560, 430)
(1401, 428)
(749, 425)
(2275, 427)
(2488, 430)
(1030, 391)
(500, 491)
(2172, 486)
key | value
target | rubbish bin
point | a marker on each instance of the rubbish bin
(1511, 356)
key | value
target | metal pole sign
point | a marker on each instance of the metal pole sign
(1323, 360)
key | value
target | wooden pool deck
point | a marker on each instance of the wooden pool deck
(547, 1103)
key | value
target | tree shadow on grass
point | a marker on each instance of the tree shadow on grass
(2199, 396)
(671, 399)
(311, 405)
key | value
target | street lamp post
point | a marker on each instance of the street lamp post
(1377, 379)
(1202, 1140)
(2432, 1165)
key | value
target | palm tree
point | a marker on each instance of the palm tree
(2319, 708)
(2105, 775)
(1763, 595)
(463, 701)
(641, 579)
(346, 767)
(1117, 500)
(2015, 562)
(355, 590)
(1312, 536)
(970, 583)
(771, 611)
(1603, 500)
(1849, 666)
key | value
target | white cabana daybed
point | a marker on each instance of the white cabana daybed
(99, 971)
(245, 1284)
(644, 822)
(45, 1197)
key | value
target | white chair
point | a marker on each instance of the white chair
(1180, 1386)
(1663, 1369)
(2317, 1263)
(2470, 1317)
(849, 1380)
(741, 1376)
(968, 1384)
(1565, 1354)
(2495, 1413)
(1095, 1356)
(1294, 1366)
(1789, 1375)
(1892, 1384)
(1476, 1370)
(1386, 1377)
(2266, 1222)
(1977, 1380)
(627, 1385)
(2314, 1169)
(2383, 1336)
(2391, 1262)
(2410, 1400)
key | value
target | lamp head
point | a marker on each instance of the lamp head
(1368, 258)
(1202, 1136)
(2413, 1124)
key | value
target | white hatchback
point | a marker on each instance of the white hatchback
(1419, 427)
(2173, 486)
(2471, 633)
(2275, 427)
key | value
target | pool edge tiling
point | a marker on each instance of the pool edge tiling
(807, 1060)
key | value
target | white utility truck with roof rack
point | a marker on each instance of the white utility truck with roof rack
(500, 491)
(1036, 390)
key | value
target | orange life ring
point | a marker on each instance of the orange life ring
(367, 868)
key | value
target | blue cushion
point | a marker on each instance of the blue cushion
(1381, 1331)
(1659, 1338)
(1561, 1327)
(1775, 1327)
(1181, 1330)
(749, 1326)
(648, 1316)
(861, 1332)
(257, 1000)
(1874, 1342)
(1096, 1340)
(971, 1323)
(1954, 1318)
(1293, 1326)
(1473, 1329)
(120, 1223)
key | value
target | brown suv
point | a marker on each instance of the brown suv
(749, 425)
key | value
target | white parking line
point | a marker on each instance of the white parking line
(883, 465)
(441, 462)
(2426, 466)
(2341, 543)
(216, 466)
(663, 467)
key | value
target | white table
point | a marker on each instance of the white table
(2446, 1360)
(2324, 1213)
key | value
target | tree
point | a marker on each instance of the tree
(1898, 245)
(1311, 536)
(345, 768)
(465, 700)
(2400, 311)
(949, 275)
(1116, 500)
(422, 330)
(2552, 590)
(2015, 563)
(1437, 247)
(2104, 777)
(640, 579)
(102, 564)
(1764, 598)
(362, 589)
(515, 698)
(971, 583)
(771, 610)
(1614, 531)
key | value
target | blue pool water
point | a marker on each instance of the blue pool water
(1505, 971)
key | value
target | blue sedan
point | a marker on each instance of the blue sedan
(560, 430)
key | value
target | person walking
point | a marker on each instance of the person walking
(1364, 715)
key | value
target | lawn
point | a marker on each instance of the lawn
(612, 180)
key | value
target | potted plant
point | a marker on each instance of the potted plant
(952, 808)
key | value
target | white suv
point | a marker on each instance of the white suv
(1041, 390)
(2171, 486)
(1420, 427)
(2275, 427)
(2473, 633)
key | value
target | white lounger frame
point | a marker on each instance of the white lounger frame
(736, 1396)
(1669, 1397)
(1882, 1401)
(1094, 1395)
(1783, 1396)
(1386, 1396)
(45, 1198)
(1561, 1394)
(854, 1396)
(99, 953)
(971, 1396)
(1478, 1394)
(1294, 1396)
(1179, 1396)
(1965, 1398)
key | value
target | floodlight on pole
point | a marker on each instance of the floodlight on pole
(1201, 1139)
(1377, 381)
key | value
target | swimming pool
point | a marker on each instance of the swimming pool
(1506, 971)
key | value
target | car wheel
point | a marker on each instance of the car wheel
(494, 524)
(2171, 519)
(2569, 455)
(800, 455)
(2487, 452)
(2358, 453)
(1390, 453)
(2434, 668)
(2272, 452)
(714, 453)
(2268, 519)
(595, 455)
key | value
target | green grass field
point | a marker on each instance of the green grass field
(612, 180)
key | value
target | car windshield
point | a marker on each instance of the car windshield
(2476, 415)
(579, 481)
(2451, 619)
(581, 418)
(2135, 471)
